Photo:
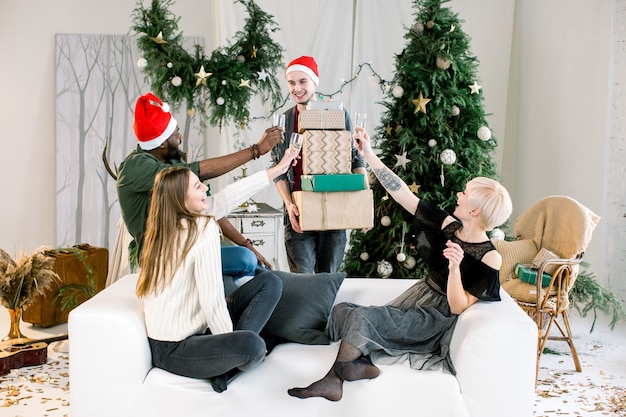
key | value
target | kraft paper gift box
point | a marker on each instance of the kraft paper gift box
(335, 210)
(326, 152)
(527, 273)
(321, 120)
(333, 182)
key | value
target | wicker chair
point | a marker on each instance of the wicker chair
(561, 227)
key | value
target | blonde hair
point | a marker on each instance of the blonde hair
(163, 249)
(492, 199)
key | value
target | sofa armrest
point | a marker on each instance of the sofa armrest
(109, 348)
(494, 352)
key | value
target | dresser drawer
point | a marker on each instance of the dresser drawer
(257, 224)
(265, 244)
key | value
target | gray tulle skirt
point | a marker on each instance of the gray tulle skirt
(417, 326)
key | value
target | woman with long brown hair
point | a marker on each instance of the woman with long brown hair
(193, 329)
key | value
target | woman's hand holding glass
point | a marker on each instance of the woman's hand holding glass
(362, 141)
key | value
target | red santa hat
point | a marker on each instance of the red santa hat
(305, 64)
(153, 122)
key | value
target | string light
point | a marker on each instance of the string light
(382, 84)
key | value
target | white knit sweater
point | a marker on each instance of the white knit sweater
(194, 301)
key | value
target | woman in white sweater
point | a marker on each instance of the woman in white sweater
(192, 328)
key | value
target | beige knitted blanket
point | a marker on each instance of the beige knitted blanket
(558, 223)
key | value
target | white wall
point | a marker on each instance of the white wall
(546, 69)
(558, 123)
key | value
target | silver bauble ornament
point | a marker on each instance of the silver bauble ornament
(170, 65)
(455, 111)
(384, 269)
(484, 133)
(418, 27)
(364, 256)
(432, 143)
(177, 81)
(442, 63)
(497, 234)
(409, 263)
(142, 62)
(430, 24)
(401, 257)
(448, 157)
(385, 221)
(220, 101)
(397, 91)
(241, 58)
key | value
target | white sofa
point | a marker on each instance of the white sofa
(493, 349)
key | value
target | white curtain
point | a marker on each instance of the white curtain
(340, 35)
(343, 34)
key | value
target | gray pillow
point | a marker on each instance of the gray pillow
(304, 307)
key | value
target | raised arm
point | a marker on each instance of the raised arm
(214, 167)
(396, 188)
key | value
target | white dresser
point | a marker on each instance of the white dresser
(262, 227)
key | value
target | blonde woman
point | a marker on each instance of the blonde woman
(463, 269)
(193, 330)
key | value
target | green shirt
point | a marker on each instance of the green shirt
(134, 183)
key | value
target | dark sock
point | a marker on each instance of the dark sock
(220, 382)
(361, 368)
(329, 387)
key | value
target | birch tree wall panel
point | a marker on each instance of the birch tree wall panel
(97, 84)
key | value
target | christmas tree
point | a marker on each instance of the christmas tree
(433, 134)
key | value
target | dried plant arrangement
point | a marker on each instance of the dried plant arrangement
(23, 279)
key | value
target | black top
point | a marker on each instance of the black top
(478, 279)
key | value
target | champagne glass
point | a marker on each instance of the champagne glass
(279, 120)
(360, 119)
(296, 141)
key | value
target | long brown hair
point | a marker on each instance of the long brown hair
(168, 217)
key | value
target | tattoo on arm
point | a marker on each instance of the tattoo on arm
(388, 179)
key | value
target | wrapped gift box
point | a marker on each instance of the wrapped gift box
(335, 210)
(528, 273)
(324, 105)
(326, 152)
(322, 119)
(333, 182)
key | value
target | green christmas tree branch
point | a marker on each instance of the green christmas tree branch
(217, 88)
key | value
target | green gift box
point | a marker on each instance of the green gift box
(333, 182)
(528, 273)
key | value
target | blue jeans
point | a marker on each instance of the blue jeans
(238, 261)
(314, 251)
(207, 355)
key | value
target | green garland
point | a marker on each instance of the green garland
(219, 87)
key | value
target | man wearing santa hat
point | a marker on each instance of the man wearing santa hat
(158, 147)
(307, 251)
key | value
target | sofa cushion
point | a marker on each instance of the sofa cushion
(512, 252)
(303, 309)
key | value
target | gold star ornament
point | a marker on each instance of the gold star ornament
(253, 54)
(158, 39)
(244, 83)
(202, 76)
(414, 187)
(420, 103)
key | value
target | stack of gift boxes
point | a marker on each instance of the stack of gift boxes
(332, 197)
